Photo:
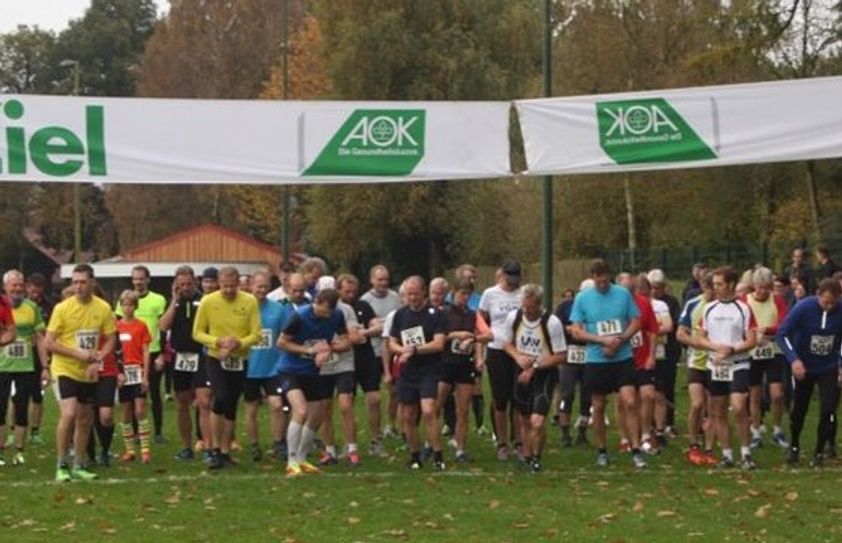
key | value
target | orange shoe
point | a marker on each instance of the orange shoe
(709, 459)
(354, 459)
(625, 447)
(695, 456)
(127, 456)
(307, 467)
(294, 470)
(145, 457)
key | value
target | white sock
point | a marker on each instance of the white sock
(644, 437)
(745, 451)
(755, 432)
(727, 453)
(352, 448)
(307, 437)
(331, 450)
(293, 440)
(779, 430)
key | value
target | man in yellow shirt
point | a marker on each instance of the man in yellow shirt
(73, 337)
(228, 324)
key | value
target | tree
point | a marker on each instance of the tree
(25, 61)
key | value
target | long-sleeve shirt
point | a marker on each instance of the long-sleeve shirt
(813, 335)
(219, 317)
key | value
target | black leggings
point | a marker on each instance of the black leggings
(226, 387)
(570, 375)
(501, 375)
(828, 396)
(155, 394)
(23, 384)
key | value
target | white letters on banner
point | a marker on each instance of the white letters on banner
(684, 128)
(134, 140)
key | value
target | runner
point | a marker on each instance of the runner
(383, 301)
(462, 359)
(337, 376)
(368, 369)
(728, 334)
(151, 306)
(439, 289)
(308, 342)
(311, 269)
(36, 285)
(262, 376)
(281, 293)
(190, 378)
(535, 341)
(228, 324)
(16, 363)
(810, 338)
(495, 305)
(667, 352)
(210, 280)
(606, 317)
(767, 361)
(689, 330)
(571, 375)
(135, 365)
(417, 337)
(74, 331)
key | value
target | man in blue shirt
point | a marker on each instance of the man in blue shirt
(308, 343)
(262, 375)
(810, 338)
(606, 318)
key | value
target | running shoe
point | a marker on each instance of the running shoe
(145, 457)
(793, 456)
(413, 465)
(779, 439)
(127, 456)
(638, 461)
(294, 470)
(602, 460)
(328, 459)
(354, 459)
(185, 454)
(462, 458)
(256, 453)
(817, 461)
(748, 463)
(309, 468)
(82, 474)
(18, 459)
(63, 474)
(438, 465)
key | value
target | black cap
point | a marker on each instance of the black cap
(511, 267)
(210, 273)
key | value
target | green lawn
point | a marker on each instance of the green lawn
(379, 501)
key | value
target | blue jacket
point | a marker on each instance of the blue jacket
(812, 335)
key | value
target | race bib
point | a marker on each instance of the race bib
(722, 373)
(125, 337)
(575, 354)
(413, 336)
(265, 341)
(456, 347)
(763, 352)
(637, 340)
(18, 350)
(660, 351)
(232, 364)
(87, 339)
(188, 362)
(133, 375)
(611, 327)
(821, 345)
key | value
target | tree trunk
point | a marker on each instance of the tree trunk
(630, 219)
(812, 194)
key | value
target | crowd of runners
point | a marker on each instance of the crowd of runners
(754, 344)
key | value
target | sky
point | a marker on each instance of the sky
(47, 14)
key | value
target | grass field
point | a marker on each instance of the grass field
(379, 501)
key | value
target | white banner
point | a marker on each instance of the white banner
(135, 140)
(684, 128)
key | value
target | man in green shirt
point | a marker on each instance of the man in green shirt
(151, 307)
(17, 360)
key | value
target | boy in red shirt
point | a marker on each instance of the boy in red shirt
(134, 342)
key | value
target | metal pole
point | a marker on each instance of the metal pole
(547, 241)
(77, 198)
(287, 197)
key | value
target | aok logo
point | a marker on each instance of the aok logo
(639, 120)
(648, 130)
(55, 151)
(374, 142)
(530, 342)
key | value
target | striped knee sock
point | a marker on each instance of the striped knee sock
(143, 430)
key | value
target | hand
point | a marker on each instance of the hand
(650, 363)
(479, 364)
(45, 377)
(523, 361)
(798, 370)
(387, 378)
(466, 344)
(321, 358)
(175, 291)
(92, 372)
(144, 385)
(223, 353)
(525, 376)
(404, 357)
(159, 362)
(121, 380)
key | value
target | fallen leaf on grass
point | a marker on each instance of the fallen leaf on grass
(638, 506)
(494, 504)
(763, 511)
(354, 504)
(448, 516)
(353, 520)
(607, 517)
(80, 501)
(308, 495)
(395, 533)
(666, 513)
(711, 492)
(68, 527)
(753, 493)
(521, 526)
(791, 496)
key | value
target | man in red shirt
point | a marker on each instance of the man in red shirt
(7, 322)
